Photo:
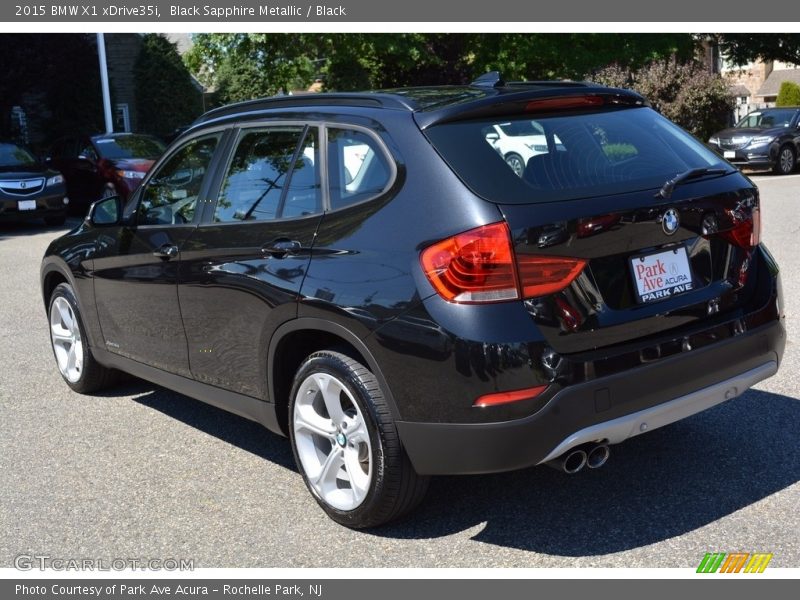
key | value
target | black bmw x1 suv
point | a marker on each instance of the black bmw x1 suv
(369, 275)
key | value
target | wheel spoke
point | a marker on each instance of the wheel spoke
(308, 419)
(357, 429)
(65, 312)
(359, 479)
(328, 471)
(72, 358)
(331, 390)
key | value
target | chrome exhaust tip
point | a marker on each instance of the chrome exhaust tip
(570, 462)
(598, 456)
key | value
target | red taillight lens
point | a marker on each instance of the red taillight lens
(474, 266)
(479, 266)
(544, 275)
(506, 397)
(746, 231)
(564, 103)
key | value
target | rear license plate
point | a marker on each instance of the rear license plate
(26, 205)
(661, 275)
(729, 154)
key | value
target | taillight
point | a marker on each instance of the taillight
(479, 266)
(544, 275)
(474, 266)
(746, 231)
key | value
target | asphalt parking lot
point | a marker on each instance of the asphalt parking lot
(142, 472)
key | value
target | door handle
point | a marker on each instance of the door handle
(281, 247)
(167, 251)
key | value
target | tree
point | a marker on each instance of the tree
(351, 61)
(166, 97)
(742, 48)
(684, 92)
(789, 94)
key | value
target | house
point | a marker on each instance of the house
(756, 85)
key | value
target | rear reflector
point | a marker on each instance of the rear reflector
(506, 397)
(565, 103)
(479, 266)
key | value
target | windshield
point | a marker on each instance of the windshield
(129, 146)
(575, 156)
(764, 119)
(12, 155)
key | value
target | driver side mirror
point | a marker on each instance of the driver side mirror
(105, 212)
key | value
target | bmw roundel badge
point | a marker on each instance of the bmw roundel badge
(670, 221)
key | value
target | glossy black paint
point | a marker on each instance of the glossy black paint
(224, 315)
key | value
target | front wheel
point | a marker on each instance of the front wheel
(786, 160)
(516, 162)
(68, 337)
(346, 444)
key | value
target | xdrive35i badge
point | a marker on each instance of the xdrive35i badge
(670, 221)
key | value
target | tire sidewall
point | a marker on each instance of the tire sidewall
(779, 165)
(331, 364)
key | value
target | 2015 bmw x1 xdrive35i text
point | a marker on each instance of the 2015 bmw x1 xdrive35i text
(367, 275)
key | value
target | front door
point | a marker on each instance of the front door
(136, 265)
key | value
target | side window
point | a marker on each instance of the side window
(269, 178)
(357, 167)
(171, 193)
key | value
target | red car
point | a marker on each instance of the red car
(105, 165)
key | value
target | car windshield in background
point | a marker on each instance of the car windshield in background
(765, 119)
(129, 146)
(577, 155)
(12, 155)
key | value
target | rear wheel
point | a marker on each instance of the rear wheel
(68, 337)
(346, 444)
(786, 161)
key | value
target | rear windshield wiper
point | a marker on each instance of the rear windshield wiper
(667, 189)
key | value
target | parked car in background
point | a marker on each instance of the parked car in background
(768, 138)
(29, 189)
(517, 142)
(365, 274)
(105, 165)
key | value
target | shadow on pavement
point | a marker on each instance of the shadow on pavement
(34, 227)
(657, 486)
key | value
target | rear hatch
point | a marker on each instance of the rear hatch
(647, 230)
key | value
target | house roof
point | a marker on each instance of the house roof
(740, 90)
(772, 84)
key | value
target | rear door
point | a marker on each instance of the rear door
(243, 268)
(604, 257)
(136, 266)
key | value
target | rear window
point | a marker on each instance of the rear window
(546, 159)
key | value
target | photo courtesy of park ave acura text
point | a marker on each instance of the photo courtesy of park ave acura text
(345, 299)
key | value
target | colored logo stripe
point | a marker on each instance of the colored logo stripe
(734, 563)
(757, 563)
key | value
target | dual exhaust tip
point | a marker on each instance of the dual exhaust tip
(592, 456)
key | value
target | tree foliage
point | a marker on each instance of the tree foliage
(789, 94)
(684, 92)
(742, 48)
(166, 97)
(251, 65)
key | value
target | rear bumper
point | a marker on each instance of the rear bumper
(611, 408)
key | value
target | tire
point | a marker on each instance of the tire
(55, 221)
(516, 162)
(346, 445)
(68, 338)
(786, 161)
